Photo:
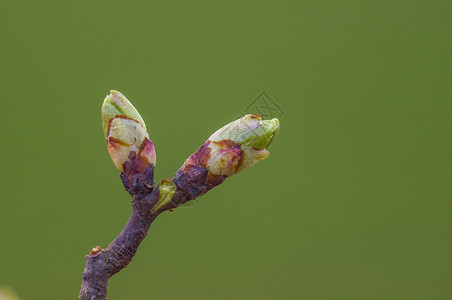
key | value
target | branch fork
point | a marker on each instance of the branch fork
(230, 150)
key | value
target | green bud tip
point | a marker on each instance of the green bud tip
(236, 146)
(125, 132)
(249, 130)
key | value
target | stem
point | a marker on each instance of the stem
(101, 264)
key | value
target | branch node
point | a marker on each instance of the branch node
(95, 250)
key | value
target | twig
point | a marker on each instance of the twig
(230, 150)
(102, 264)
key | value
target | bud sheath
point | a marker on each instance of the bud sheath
(230, 150)
(128, 141)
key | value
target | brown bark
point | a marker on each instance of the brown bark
(101, 264)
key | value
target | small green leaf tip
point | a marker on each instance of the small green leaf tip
(116, 104)
(126, 133)
(249, 130)
(166, 189)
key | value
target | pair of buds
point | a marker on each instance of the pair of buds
(230, 150)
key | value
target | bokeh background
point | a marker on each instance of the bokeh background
(354, 201)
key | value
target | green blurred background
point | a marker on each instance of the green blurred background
(354, 201)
